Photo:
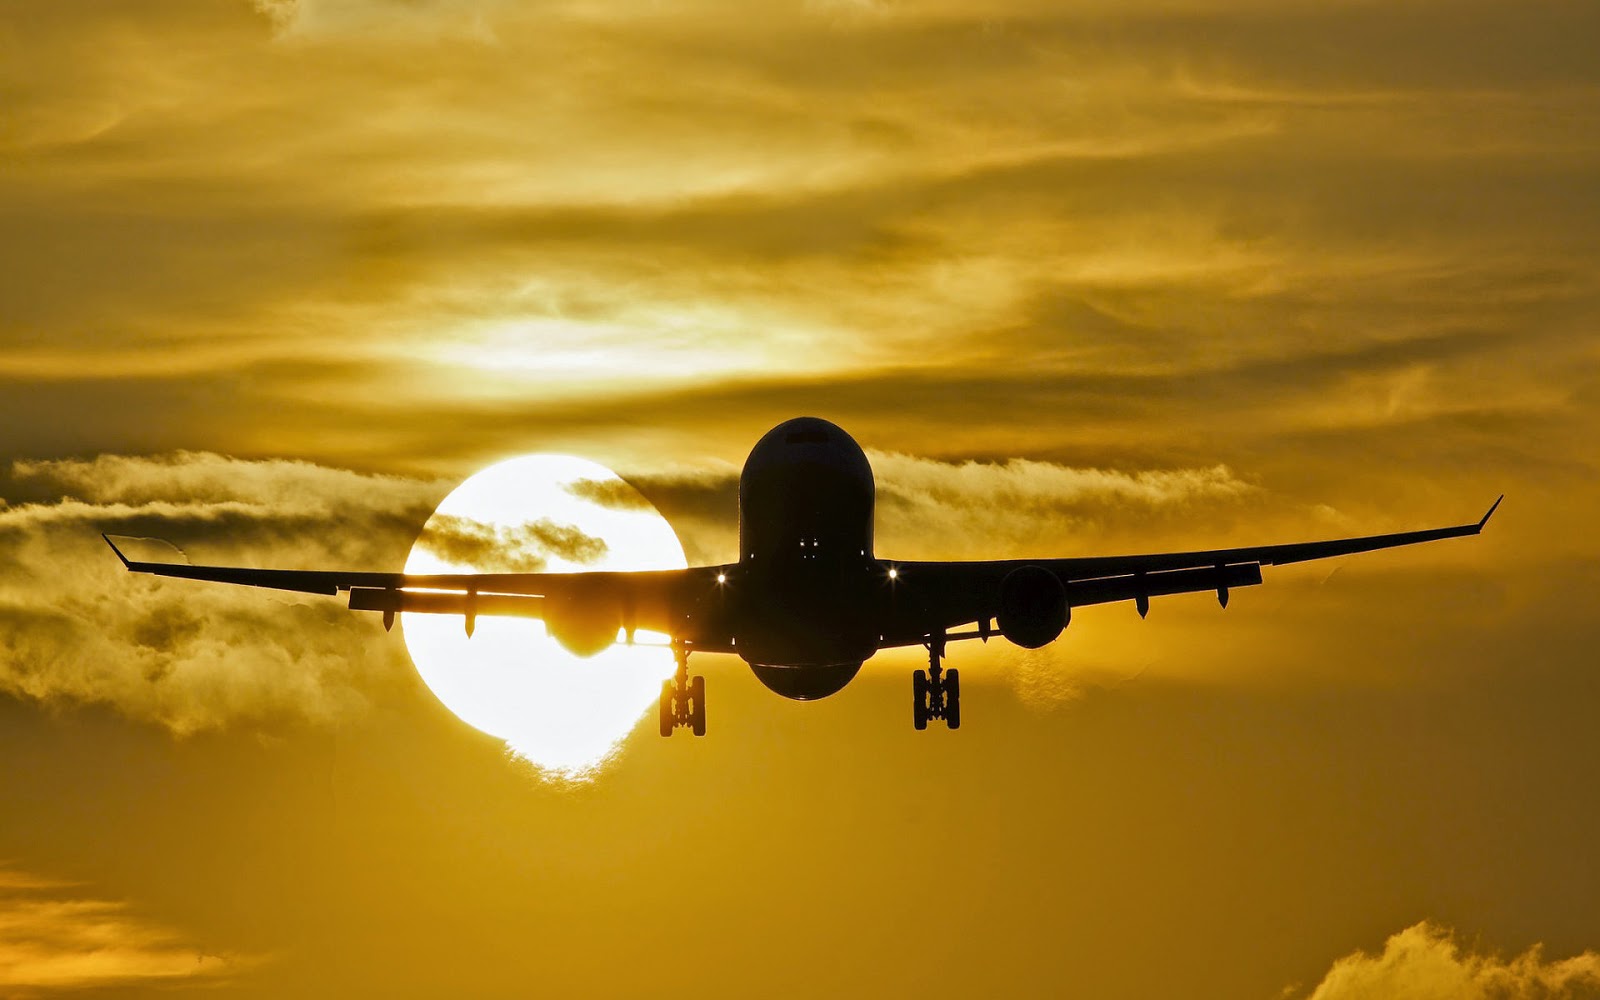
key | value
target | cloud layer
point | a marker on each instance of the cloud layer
(1010, 229)
(193, 656)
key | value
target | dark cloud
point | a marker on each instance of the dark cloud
(493, 548)
(614, 494)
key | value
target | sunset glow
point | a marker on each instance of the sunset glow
(561, 712)
(289, 284)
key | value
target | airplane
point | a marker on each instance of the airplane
(809, 600)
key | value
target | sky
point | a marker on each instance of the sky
(1081, 277)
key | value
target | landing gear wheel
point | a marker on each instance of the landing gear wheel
(919, 695)
(683, 699)
(952, 699)
(936, 693)
(669, 716)
(697, 705)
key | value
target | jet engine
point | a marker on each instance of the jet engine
(1033, 607)
(584, 623)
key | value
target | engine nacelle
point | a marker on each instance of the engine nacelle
(1033, 607)
(584, 624)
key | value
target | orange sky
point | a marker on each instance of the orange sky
(1082, 277)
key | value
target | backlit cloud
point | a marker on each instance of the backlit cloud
(1022, 507)
(526, 548)
(56, 937)
(189, 656)
(933, 508)
(1426, 962)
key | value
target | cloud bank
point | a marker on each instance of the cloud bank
(76, 627)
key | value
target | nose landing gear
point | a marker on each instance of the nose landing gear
(683, 698)
(934, 693)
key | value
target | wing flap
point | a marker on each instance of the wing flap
(1143, 586)
(434, 602)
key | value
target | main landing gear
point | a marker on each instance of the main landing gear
(935, 694)
(683, 698)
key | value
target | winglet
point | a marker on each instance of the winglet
(125, 563)
(1491, 512)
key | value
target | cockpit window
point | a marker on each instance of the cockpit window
(806, 437)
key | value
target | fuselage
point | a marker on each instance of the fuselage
(809, 590)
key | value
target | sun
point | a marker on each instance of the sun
(565, 714)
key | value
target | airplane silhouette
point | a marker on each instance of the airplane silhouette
(809, 601)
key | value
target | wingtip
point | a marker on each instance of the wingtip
(1492, 508)
(125, 563)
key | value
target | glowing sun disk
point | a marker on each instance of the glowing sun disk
(565, 714)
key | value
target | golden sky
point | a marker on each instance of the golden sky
(1083, 277)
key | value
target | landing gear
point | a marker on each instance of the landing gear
(935, 695)
(697, 705)
(669, 710)
(683, 699)
(919, 699)
(952, 699)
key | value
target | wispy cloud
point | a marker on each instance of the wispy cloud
(1182, 248)
(941, 508)
(1008, 507)
(55, 937)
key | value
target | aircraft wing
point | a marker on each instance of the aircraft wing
(647, 599)
(953, 594)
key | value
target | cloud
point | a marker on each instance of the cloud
(1181, 238)
(941, 508)
(298, 486)
(53, 938)
(334, 18)
(523, 548)
(281, 12)
(613, 494)
(75, 627)
(1425, 962)
(1012, 506)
